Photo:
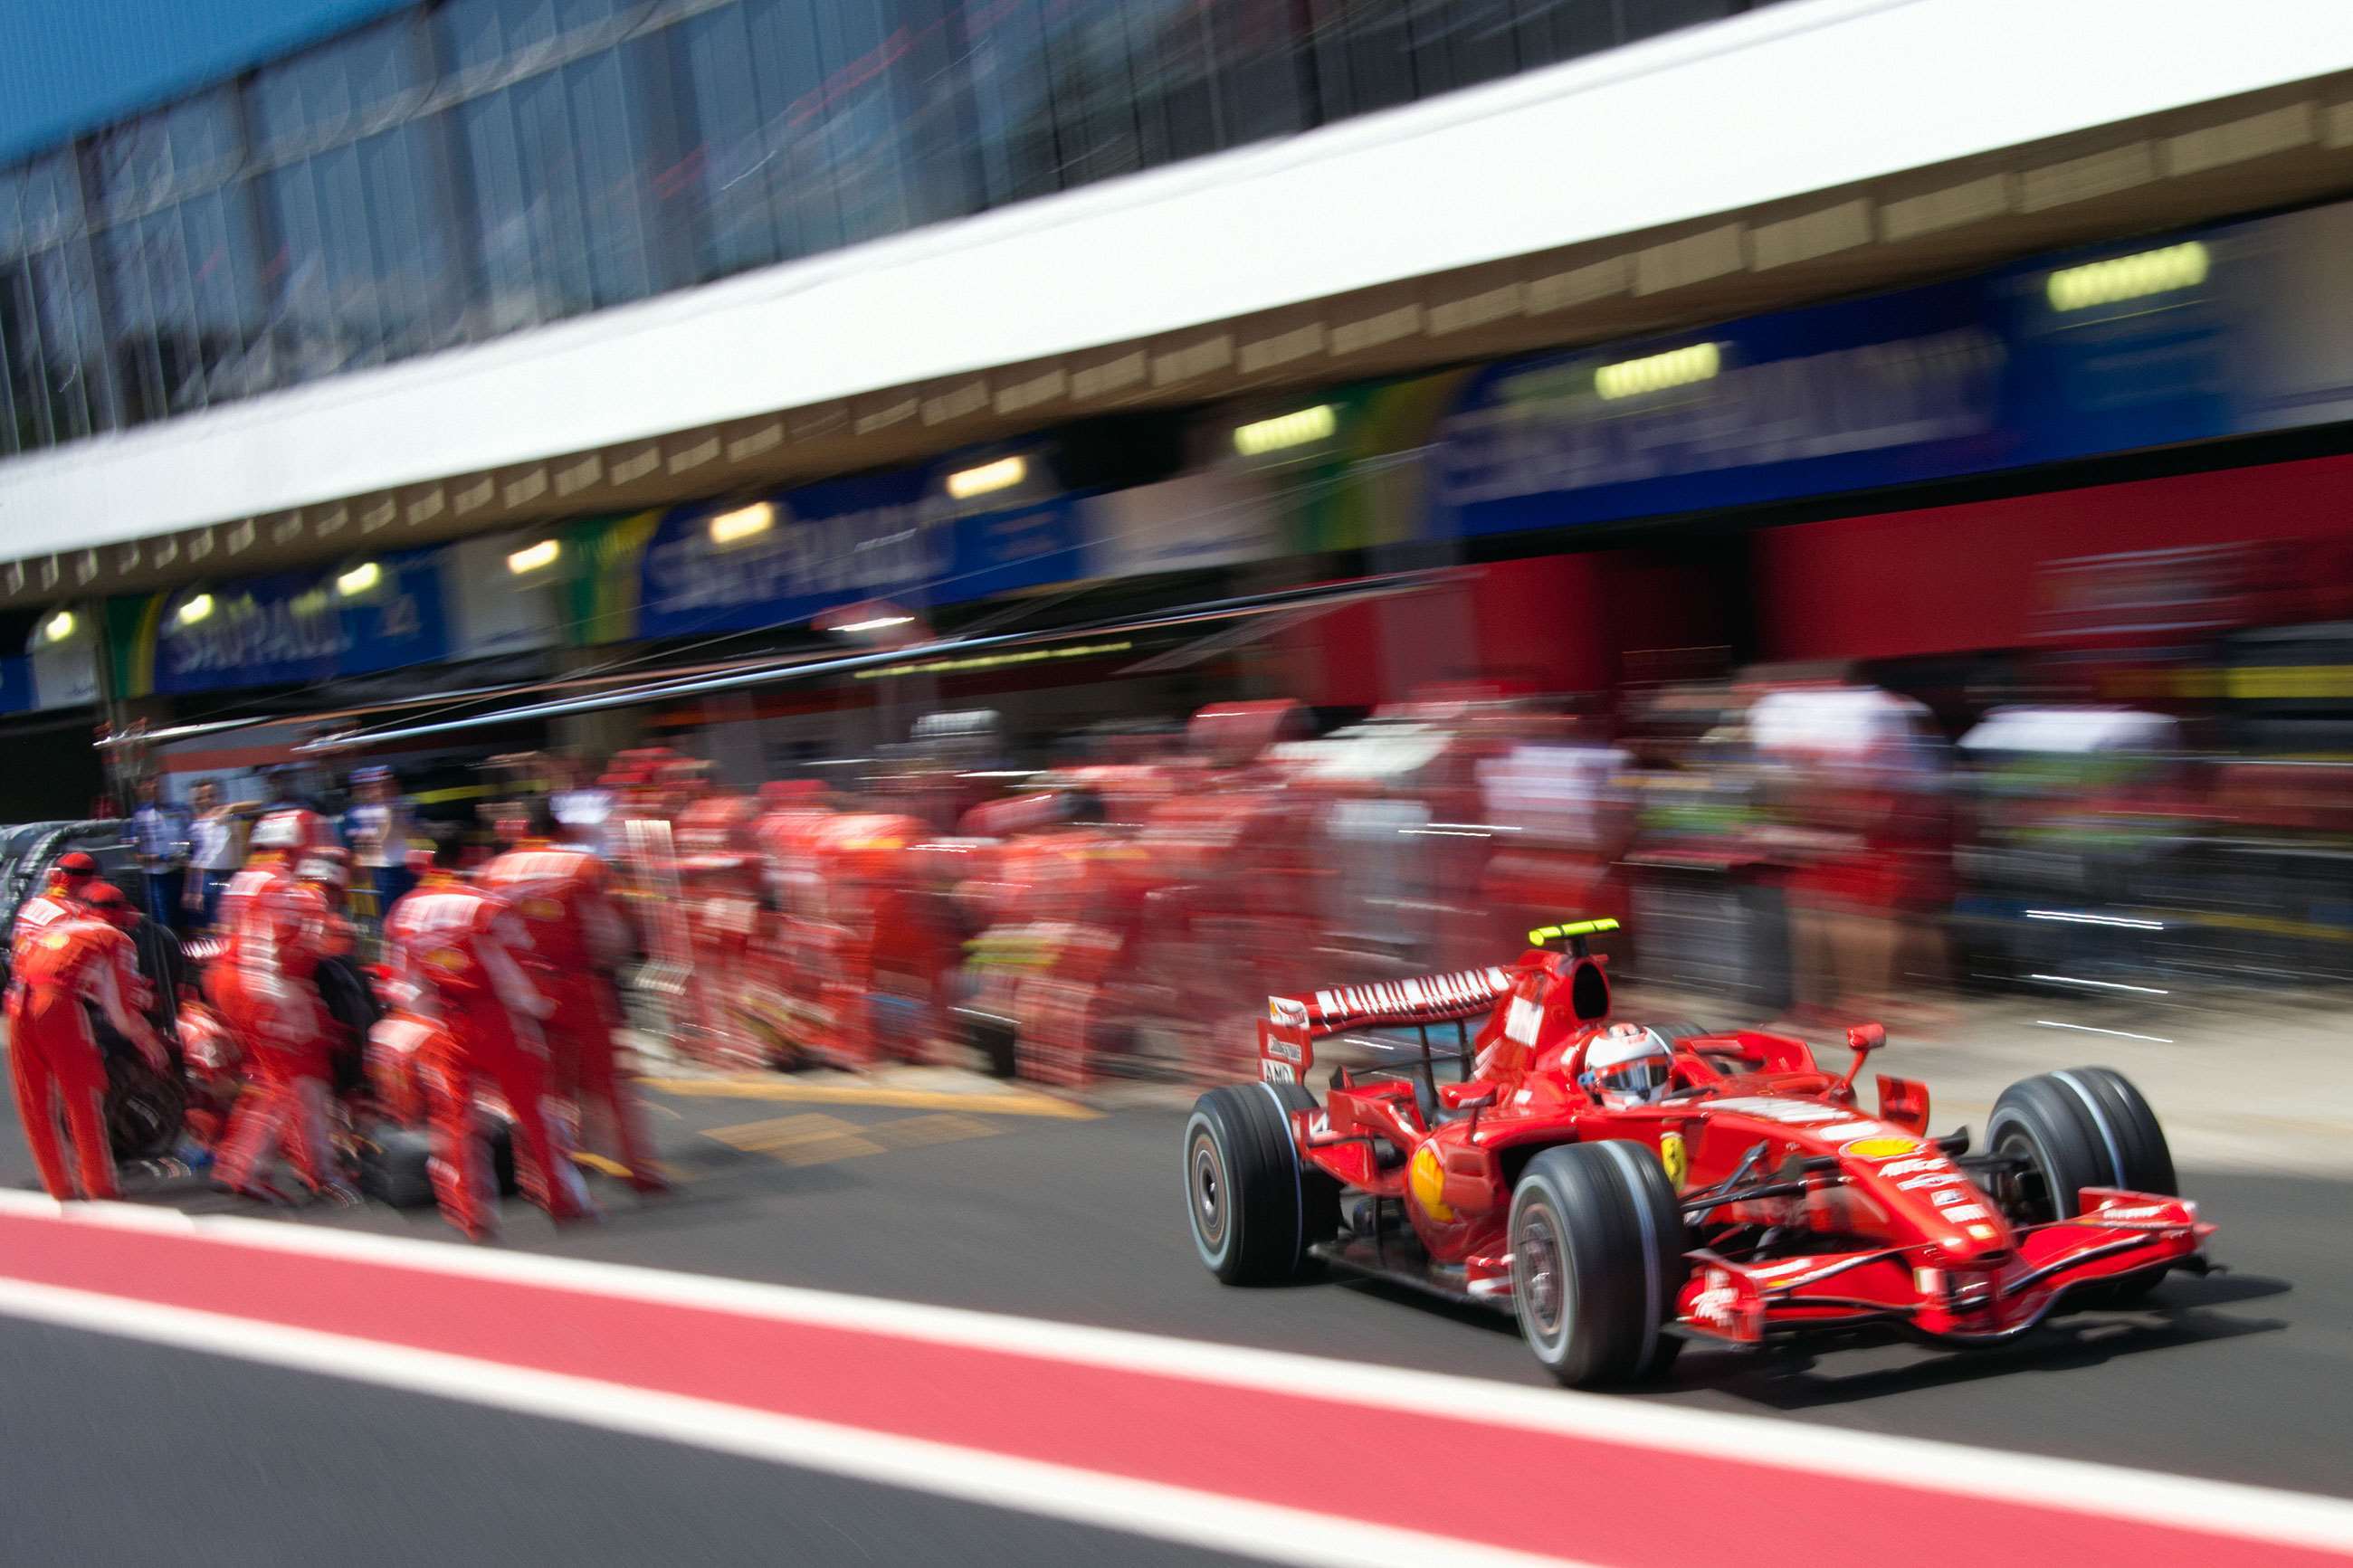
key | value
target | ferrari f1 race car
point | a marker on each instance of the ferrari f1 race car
(1625, 1188)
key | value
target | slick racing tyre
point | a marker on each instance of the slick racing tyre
(1254, 1208)
(2080, 1127)
(394, 1163)
(144, 1109)
(1597, 1262)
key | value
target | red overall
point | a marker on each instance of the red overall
(63, 968)
(559, 895)
(278, 929)
(452, 950)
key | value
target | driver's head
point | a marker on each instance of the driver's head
(1630, 1060)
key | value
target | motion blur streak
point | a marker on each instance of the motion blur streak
(1057, 1406)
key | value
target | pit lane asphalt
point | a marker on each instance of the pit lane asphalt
(2240, 1377)
(121, 1452)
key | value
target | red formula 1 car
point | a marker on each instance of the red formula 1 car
(1624, 1188)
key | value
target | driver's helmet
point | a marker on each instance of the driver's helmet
(1628, 1060)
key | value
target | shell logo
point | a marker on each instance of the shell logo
(1882, 1148)
(1427, 1178)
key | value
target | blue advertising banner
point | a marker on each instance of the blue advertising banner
(15, 683)
(898, 536)
(2222, 332)
(296, 628)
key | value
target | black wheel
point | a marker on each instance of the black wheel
(1675, 1031)
(2080, 1127)
(996, 1039)
(1254, 1208)
(1597, 1262)
(394, 1162)
(144, 1108)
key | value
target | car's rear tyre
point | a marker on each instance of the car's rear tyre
(2077, 1128)
(1597, 1262)
(1254, 1208)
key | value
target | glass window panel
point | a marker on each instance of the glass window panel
(308, 344)
(203, 137)
(551, 194)
(1013, 103)
(354, 287)
(865, 165)
(412, 258)
(1365, 48)
(383, 67)
(1094, 96)
(605, 127)
(1177, 99)
(792, 107)
(13, 437)
(729, 167)
(138, 373)
(226, 314)
(1481, 38)
(1259, 53)
(1645, 18)
(503, 227)
(134, 165)
(171, 307)
(275, 101)
(934, 110)
(573, 16)
(12, 211)
(27, 374)
(72, 300)
(472, 35)
(1566, 29)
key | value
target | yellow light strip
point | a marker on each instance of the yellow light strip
(1300, 428)
(1657, 372)
(2121, 277)
(359, 579)
(532, 557)
(993, 660)
(1002, 474)
(197, 609)
(727, 527)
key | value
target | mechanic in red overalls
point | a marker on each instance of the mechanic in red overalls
(719, 875)
(559, 894)
(451, 947)
(279, 928)
(64, 967)
(61, 897)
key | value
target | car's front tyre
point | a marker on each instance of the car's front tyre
(1597, 1262)
(2077, 1128)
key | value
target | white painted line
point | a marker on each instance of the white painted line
(2077, 1485)
(1264, 1531)
(2089, 1029)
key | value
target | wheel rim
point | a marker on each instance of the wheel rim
(2029, 1191)
(1208, 1191)
(1536, 1273)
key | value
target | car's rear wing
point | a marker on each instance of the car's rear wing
(1292, 1025)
